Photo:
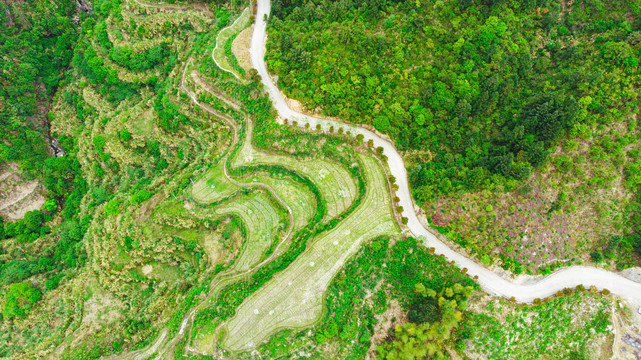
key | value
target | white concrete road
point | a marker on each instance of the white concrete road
(526, 291)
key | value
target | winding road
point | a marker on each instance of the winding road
(529, 289)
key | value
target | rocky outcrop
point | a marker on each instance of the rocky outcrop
(84, 5)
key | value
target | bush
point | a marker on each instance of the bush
(125, 135)
(113, 207)
(140, 196)
(537, 301)
(32, 220)
(596, 257)
(19, 299)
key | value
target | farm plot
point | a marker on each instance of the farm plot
(213, 186)
(297, 196)
(262, 220)
(294, 299)
(334, 181)
(219, 51)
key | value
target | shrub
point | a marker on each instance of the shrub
(140, 196)
(125, 135)
(113, 207)
(537, 301)
(19, 299)
(424, 309)
(596, 257)
(99, 143)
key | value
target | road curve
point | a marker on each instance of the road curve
(527, 291)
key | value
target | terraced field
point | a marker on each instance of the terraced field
(213, 186)
(333, 179)
(299, 199)
(255, 214)
(263, 221)
(295, 298)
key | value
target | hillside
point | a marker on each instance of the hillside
(518, 120)
(157, 203)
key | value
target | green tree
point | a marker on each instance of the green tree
(596, 256)
(19, 299)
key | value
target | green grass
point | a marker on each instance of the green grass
(162, 272)
(294, 299)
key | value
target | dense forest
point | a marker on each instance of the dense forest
(487, 88)
(481, 95)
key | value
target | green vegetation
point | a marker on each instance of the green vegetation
(570, 327)
(222, 51)
(294, 299)
(178, 215)
(532, 104)
(19, 299)
(428, 337)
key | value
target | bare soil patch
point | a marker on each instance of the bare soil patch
(18, 196)
(240, 48)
